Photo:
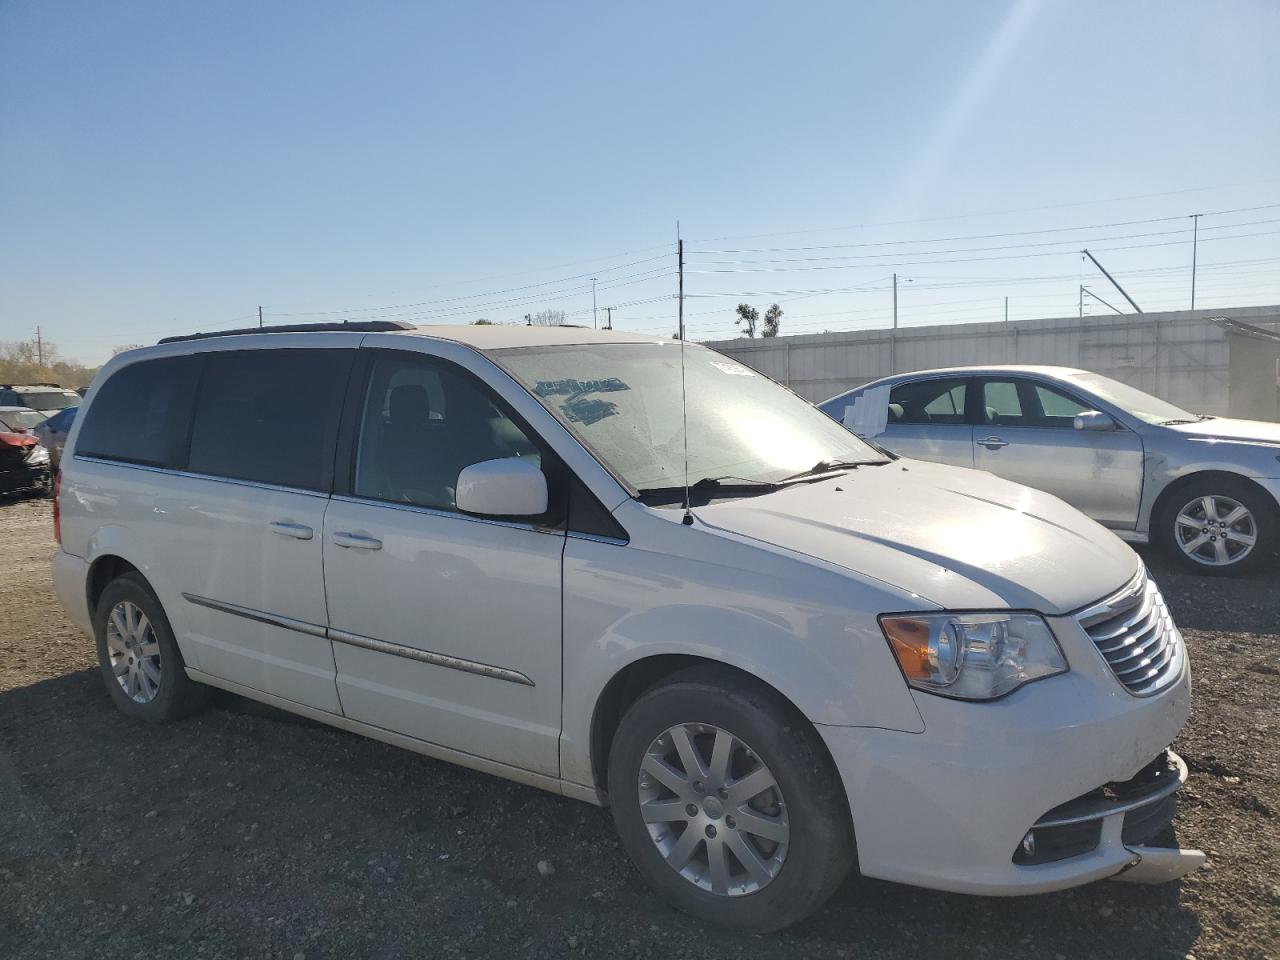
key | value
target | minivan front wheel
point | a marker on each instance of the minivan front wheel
(138, 656)
(727, 802)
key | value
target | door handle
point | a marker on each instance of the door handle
(356, 542)
(299, 531)
(993, 443)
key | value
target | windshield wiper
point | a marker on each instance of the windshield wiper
(708, 487)
(1175, 423)
(823, 467)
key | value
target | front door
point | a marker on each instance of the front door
(1029, 437)
(446, 627)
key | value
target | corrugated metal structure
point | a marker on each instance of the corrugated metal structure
(1182, 355)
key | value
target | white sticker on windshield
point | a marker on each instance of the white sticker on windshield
(735, 369)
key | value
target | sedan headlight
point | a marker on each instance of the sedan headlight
(37, 456)
(972, 656)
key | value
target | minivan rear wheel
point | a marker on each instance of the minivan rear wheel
(727, 801)
(138, 656)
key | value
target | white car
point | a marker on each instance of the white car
(474, 543)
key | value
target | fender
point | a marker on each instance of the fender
(808, 636)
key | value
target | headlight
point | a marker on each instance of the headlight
(972, 656)
(37, 456)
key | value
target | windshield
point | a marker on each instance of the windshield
(21, 419)
(623, 400)
(49, 399)
(1132, 400)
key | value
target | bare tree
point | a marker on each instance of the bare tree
(124, 347)
(20, 363)
(545, 318)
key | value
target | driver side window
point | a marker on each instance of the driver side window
(424, 421)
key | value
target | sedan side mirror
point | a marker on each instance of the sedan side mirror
(510, 487)
(1094, 420)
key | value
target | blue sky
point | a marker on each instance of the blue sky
(169, 167)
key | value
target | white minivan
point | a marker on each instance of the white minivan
(774, 650)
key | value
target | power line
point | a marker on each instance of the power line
(1009, 246)
(1022, 256)
(991, 213)
(991, 236)
(469, 296)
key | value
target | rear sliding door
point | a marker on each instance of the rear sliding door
(244, 543)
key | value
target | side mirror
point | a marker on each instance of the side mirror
(1094, 420)
(510, 487)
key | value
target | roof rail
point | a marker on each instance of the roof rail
(360, 326)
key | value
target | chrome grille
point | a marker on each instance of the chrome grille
(1134, 633)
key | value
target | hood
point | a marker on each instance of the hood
(17, 439)
(962, 539)
(1224, 428)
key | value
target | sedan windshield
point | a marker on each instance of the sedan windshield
(624, 402)
(20, 419)
(1132, 400)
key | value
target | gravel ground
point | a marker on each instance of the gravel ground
(245, 832)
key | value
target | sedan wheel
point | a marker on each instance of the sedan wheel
(713, 809)
(134, 652)
(1215, 530)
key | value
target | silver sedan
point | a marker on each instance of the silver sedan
(1206, 489)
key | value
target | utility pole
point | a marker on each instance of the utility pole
(1082, 301)
(895, 301)
(593, 304)
(1195, 240)
(39, 348)
(608, 323)
(259, 318)
(1006, 309)
(1136, 308)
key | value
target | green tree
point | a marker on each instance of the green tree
(772, 317)
(750, 316)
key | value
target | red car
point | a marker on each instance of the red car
(24, 464)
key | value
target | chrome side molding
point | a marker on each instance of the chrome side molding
(426, 656)
(367, 643)
(273, 619)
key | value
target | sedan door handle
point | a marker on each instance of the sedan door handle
(356, 542)
(299, 531)
(993, 443)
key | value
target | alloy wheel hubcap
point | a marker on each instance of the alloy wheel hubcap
(1216, 531)
(134, 652)
(713, 809)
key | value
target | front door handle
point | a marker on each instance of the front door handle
(299, 531)
(356, 541)
(993, 443)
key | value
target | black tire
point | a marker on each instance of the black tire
(176, 695)
(820, 848)
(1266, 522)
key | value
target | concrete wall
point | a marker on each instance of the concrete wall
(1177, 355)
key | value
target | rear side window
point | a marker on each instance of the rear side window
(928, 401)
(140, 414)
(270, 416)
